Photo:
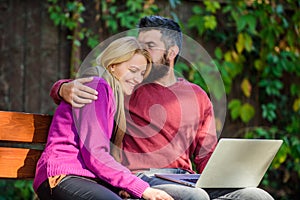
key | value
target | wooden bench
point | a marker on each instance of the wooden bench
(22, 139)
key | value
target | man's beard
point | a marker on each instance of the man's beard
(159, 70)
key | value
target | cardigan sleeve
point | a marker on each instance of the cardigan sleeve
(94, 124)
(54, 92)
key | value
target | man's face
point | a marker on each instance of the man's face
(152, 40)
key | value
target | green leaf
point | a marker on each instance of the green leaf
(281, 156)
(240, 44)
(244, 42)
(197, 10)
(197, 22)
(113, 9)
(81, 8)
(269, 111)
(258, 64)
(251, 21)
(241, 24)
(134, 5)
(279, 9)
(232, 68)
(181, 67)
(92, 42)
(272, 87)
(218, 53)
(295, 89)
(71, 6)
(261, 132)
(247, 112)
(248, 42)
(268, 37)
(81, 35)
(296, 105)
(235, 107)
(212, 6)
(210, 22)
(80, 20)
(246, 87)
(77, 43)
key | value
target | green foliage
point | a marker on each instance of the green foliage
(16, 190)
(285, 164)
(258, 47)
(243, 111)
(70, 14)
(204, 19)
(118, 17)
(67, 16)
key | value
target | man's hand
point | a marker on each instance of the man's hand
(155, 194)
(77, 94)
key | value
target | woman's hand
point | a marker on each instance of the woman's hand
(76, 93)
(155, 194)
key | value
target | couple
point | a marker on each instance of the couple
(169, 121)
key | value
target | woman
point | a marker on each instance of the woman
(76, 163)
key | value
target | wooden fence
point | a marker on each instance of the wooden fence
(34, 54)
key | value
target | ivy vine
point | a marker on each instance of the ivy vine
(259, 47)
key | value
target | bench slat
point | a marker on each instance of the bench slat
(18, 163)
(24, 127)
(22, 139)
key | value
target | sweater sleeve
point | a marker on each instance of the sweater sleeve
(206, 139)
(55, 89)
(94, 124)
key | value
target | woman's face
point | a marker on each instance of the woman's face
(130, 73)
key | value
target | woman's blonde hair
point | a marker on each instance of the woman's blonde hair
(122, 50)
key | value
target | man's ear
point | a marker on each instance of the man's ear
(173, 52)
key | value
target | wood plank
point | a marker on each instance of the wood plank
(13, 63)
(24, 127)
(32, 63)
(55, 51)
(18, 163)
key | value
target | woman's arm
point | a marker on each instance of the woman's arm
(94, 123)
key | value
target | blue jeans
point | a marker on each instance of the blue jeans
(76, 188)
(251, 193)
(179, 192)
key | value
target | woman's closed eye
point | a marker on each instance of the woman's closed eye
(133, 69)
(136, 70)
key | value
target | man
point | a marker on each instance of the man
(170, 122)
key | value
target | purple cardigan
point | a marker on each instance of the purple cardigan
(79, 144)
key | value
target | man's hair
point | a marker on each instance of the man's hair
(170, 30)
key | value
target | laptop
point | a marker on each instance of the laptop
(235, 163)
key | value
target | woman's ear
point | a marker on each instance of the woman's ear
(112, 68)
(173, 52)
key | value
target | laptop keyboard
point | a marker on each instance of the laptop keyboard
(192, 180)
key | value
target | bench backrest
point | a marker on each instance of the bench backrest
(22, 139)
